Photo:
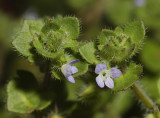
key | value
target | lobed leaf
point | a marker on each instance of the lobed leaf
(88, 51)
(127, 79)
(56, 74)
(24, 95)
(22, 41)
(73, 89)
(50, 25)
(87, 94)
(45, 53)
(70, 25)
(135, 30)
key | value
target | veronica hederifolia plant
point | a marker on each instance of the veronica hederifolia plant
(85, 65)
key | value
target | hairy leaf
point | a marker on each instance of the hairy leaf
(70, 25)
(88, 53)
(23, 38)
(24, 95)
(127, 79)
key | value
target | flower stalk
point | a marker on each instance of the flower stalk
(145, 99)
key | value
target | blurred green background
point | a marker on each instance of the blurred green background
(94, 15)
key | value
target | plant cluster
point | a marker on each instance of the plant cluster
(52, 44)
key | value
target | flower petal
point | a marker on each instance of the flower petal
(71, 79)
(109, 83)
(100, 67)
(74, 69)
(99, 81)
(74, 61)
(66, 70)
(115, 73)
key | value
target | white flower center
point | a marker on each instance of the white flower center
(64, 69)
(105, 74)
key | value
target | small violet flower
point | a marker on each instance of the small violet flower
(105, 76)
(68, 70)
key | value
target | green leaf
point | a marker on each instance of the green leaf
(56, 73)
(106, 47)
(70, 25)
(119, 30)
(121, 102)
(50, 25)
(73, 44)
(45, 53)
(36, 26)
(74, 89)
(105, 36)
(127, 79)
(24, 95)
(87, 94)
(23, 38)
(114, 45)
(135, 31)
(34, 58)
(88, 53)
(52, 40)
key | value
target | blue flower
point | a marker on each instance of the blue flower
(68, 70)
(105, 76)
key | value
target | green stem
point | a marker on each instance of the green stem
(145, 99)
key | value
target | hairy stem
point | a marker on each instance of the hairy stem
(145, 99)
